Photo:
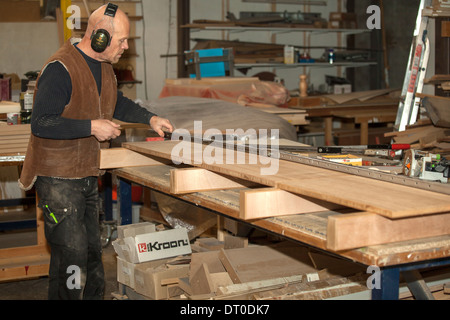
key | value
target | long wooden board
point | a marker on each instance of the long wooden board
(362, 229)
(384, 198)
(121, 157)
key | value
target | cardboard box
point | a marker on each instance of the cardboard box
(131, 230)
(153, 245)
(147, 279)
(125, 272)
(342, 88)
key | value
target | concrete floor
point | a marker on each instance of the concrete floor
(36, 289)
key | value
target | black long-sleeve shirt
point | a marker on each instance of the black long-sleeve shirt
(55, 89)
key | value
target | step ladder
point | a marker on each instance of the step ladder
(408, 108)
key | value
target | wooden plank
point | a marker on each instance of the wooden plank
(438, 110)
(361, 229)
(15, 268)
(256, 263)
(122, 157)
(272, 202)
(190, 180)
(365, 194)
(259, 285)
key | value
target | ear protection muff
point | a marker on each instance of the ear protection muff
(100, 38)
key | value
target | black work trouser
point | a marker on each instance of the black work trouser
(71, 215)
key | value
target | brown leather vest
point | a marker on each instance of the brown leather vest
(76, 158)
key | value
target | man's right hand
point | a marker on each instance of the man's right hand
(104, 129)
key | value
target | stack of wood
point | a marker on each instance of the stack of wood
(14, 139)
(265, 19)
(232, 269)
(432, 133)
(246, 52)
(423, 135)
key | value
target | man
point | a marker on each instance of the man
(75, 100)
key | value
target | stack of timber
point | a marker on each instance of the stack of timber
(432, 132)
(246, 52)
(423, 135)
(374, 212)
(276, 20)
(14, 138)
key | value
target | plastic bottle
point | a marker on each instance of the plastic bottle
(25, 113)
(331, 56)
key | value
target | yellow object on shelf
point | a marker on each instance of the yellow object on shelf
(343, 158)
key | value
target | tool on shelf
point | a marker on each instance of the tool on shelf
(388, 150)
(426, 166)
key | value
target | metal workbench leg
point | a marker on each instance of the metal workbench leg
(107, 196)
(389, 285)
(417, 285)
(124, 202)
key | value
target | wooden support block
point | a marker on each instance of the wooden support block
(184, 285)
(220, 279)
(210, 243)
(232, 242)
(361, 229)
(201, 282)
(122, 157)
(270, 202)
(210, 258)
(190, 180)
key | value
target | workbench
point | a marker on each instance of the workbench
(393, 259)
(378, 109)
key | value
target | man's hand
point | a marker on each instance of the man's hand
(104, 129)
(158, 124)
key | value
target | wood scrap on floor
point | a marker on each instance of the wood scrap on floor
(276, 271)
(270, 270)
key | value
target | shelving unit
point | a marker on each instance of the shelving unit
(282, 30)
(272, 31)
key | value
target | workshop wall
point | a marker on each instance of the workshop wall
(27, 45)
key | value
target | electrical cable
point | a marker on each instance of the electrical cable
(143, 50)
(168, 39)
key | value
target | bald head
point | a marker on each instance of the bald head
(118, 27)
(98, 20)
